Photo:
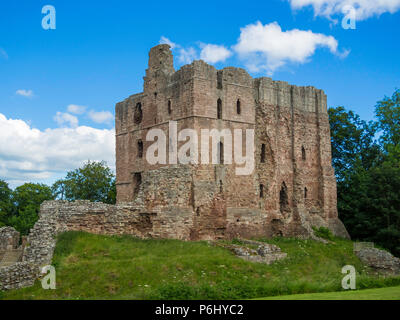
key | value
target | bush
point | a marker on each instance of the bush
(323, 233)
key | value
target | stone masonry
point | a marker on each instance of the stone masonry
(292, 187)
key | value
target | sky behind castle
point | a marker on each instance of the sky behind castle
(59, 87)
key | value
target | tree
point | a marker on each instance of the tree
(27, 200)
(352, 141)
(368, 173)
(388, 113)
(94, 181)
(6, 205)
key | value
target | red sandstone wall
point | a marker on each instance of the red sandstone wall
(212, 199)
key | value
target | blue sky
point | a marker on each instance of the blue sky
(97, 56)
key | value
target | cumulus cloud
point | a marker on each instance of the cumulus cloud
(364, 8)
(210, 53)
(24, 93)
(262, 48)
(267, 47)
(73, 108)
(213, 53)
(164, 40)
(101, 116)
(66, 119)
(187, 55)
(28, 154)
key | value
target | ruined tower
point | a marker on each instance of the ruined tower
(291, 188)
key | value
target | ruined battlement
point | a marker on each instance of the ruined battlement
(195, 88)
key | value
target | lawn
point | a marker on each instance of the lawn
(122, 267)
(391, 293)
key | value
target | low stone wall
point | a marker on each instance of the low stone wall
(61, 216)
(99, 218)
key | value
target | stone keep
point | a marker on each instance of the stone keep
(292, 187)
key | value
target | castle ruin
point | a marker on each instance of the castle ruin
(292, 186)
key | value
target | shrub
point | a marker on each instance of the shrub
(323, 233)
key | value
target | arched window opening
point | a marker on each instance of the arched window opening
(138, 114)
(221, 152)
(219, 109)
(238, 109)
(305, 193)
(262, 153)
(140, 149)
(283, 198)
(303, 153)
(169, 107)
(261, 191)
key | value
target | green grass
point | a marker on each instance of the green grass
(391, 293)
(122, 267)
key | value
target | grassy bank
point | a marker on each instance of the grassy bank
(121, 267)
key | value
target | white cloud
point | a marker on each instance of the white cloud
(262, 48)
(187, 55)
(213, 53)
(210, 53)
(101, 116)
(63, 118)
(28, 154)
(267, 47)
(73, 108)
(24, 93)
(3, 53)
(164, 40)
(364, 8)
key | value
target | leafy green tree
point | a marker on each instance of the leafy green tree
(368, 173)
(388, 113)
(27, 200)
(94, 181)
(352, 141)
(6, 205)
(25, 219)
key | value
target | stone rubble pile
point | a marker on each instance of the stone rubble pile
(265, 253)
(380, 261)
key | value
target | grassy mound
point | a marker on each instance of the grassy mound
(121, 267)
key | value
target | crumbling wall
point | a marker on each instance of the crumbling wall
(13, 273)
(19, 275)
